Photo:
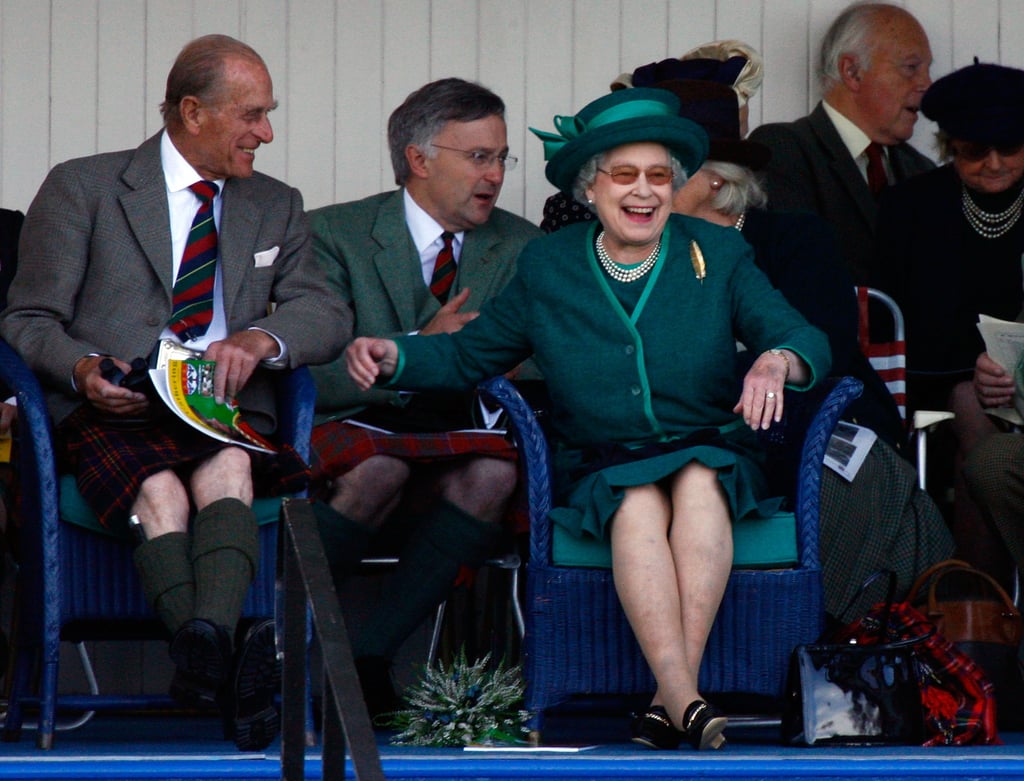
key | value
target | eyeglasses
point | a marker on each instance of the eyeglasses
(974, 152)
(482, 159)
(657, 175)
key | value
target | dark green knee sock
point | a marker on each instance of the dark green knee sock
(165, 572)
(344, 541)
(225, 554)
(445, 539)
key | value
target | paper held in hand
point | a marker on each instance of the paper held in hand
(186, 386)
(1004, 343)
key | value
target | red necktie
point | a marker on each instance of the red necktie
(193, 289)
(444, 269)
(877, 179)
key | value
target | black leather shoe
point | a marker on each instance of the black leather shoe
(378, 690)
(257, 678)
(703, 725)
(653, 728)
(201, 652)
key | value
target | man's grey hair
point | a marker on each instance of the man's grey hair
(427, 110)
(852, 32)
(199, 71)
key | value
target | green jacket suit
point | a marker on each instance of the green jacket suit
(372, 265)
(656, 374)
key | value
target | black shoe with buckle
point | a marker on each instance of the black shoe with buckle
(653, 728)
(703, 725)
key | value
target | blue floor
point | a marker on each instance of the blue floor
(153, 747)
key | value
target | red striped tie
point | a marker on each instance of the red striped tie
(444, 269)
(193, 289)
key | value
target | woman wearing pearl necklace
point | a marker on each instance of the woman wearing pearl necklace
(632, 320)
(950, 247)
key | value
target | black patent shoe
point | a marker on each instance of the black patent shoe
(703, 725)
(201, 652)
(653, 728)
(254, 721)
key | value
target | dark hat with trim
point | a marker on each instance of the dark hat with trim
(982, 103)
(627, 116)
(713, 106)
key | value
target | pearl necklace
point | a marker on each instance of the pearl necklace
(739, 222)
(986, 224)
(625, 273)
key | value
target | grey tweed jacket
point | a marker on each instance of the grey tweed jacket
(95, 267)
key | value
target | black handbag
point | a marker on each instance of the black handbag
(845, 694)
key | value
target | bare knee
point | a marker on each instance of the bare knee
(162, 504)
(371, 491)
(482, 487)
(226, 474)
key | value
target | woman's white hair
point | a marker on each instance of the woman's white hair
(741, 189)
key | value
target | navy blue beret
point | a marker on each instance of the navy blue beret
(982, 103)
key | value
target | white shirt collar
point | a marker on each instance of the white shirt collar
(178, 172)
(855, 139)
(423, 228)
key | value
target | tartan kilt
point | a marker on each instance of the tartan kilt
(338, 446)
(110, 462)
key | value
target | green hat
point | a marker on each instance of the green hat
(627, 116)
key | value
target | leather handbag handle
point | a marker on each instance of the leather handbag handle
(1006, 628)
(927, 574)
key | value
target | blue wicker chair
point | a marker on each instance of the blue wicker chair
(578, 641)
(76, 584)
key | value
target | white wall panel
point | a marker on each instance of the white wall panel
(80, 76)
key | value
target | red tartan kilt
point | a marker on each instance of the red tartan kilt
(339, 446)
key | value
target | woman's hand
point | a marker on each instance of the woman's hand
(368, 358)
(993, 385)
(761, 401)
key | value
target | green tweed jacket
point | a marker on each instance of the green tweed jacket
(372, 265)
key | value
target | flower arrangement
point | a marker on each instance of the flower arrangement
(462, 705)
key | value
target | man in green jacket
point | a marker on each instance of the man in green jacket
(422, 258)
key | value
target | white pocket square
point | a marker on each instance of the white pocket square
(267, 257)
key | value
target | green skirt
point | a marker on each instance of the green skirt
(588, 503)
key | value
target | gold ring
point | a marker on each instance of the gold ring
(770, 394)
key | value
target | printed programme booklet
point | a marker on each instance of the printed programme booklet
(186, 386)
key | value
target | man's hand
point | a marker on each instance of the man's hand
(237, 358)
(368, 358)
(993, 385)
(449, 319)
(105, 396)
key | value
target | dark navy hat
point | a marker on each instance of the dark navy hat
(982, 103)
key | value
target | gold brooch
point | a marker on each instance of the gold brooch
(697, 257)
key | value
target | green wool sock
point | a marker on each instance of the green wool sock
(165, 572)
(445, 539)
(225, 554)
(345, 541)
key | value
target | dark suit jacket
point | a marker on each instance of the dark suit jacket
(940, 283)
(812, 170)
(94, 271)
(10, 228)
(799, 254)
(373, 267)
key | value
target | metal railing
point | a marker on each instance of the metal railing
(306, 591)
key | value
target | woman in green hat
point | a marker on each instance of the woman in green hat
(633, 321)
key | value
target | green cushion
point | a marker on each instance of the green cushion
(758, 543)
(73, 509)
